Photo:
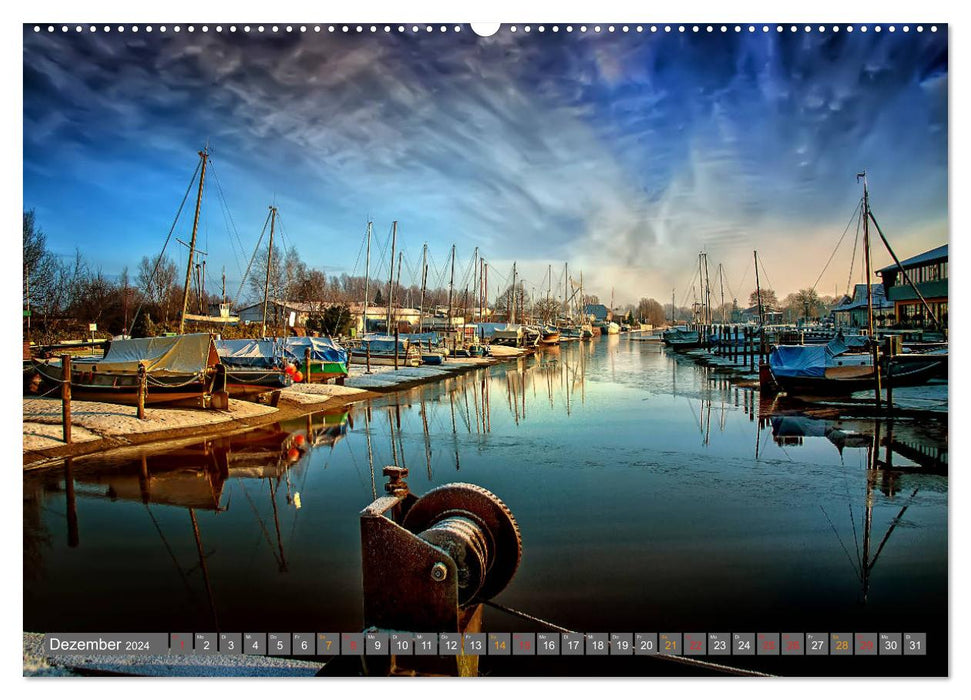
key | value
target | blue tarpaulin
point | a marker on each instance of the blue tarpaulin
(804, 360)
(249, 353)
(321, 349)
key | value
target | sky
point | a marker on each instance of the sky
(622, 154)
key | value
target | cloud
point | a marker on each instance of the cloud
(625, 155)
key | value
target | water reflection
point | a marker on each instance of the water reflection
(651, 492)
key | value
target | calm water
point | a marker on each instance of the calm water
(651, 495)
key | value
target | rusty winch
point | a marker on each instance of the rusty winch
(430, 562)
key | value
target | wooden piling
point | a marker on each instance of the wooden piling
(72, 511)
(306, 364)
(396, 346)
(142, 390)
(66, 397)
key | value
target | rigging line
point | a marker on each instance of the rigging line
(227, 213)
(252, 258)
(849, 279)
(771, 287)
(859, 575)
(689, 287)
(158, 260)
(838, 243)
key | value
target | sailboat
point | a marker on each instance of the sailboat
(830, 369)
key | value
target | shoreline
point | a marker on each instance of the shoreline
(295, 402)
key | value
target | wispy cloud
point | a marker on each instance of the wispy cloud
(623, 154)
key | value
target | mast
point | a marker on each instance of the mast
(451, 283)
(566, 279)
(424, 278)
(869, 290)
(758, 289)
(397, 316)
(204, 154)
(390, 299)
(367, 275)
(512, 305)
(866, 253)
(475, 277)
(269, 262)
(708, 317)
(721, 286)
(672, 307)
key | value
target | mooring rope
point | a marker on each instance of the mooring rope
(667, 657)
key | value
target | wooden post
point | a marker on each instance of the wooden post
(750, 345)
(368, 355)
(66, 397)
(396, 345)
(142, 390)
(72, 511)
(306, 362)
(889, 353)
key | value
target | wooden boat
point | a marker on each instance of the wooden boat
(181, 370)
(255, 369)
(328, 360)
(550, 336)
(828, 370)
(682, 339)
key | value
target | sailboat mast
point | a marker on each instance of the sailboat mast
(758, 288)
(397, 316)
(566, 280)
(721, 287)
(451, 283)
(394, 237)
(869, 290)
(269, 263)
(424, 279)
(512, 299)
(866, 256)
(708, 317)
(367, 276)
(204, 154)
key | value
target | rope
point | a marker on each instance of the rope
(158, 260)
(666, 657)
(849, 278)
(252, 258)
(833, 254)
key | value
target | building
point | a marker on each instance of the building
(751, 315)
(278, 312)
(851, 312)
(928, 272)
(598, 312)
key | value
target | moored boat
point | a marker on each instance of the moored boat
(327, 358)
(181, 370)
(255, 369)
(380, 350)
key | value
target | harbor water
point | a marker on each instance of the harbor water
(652, 494)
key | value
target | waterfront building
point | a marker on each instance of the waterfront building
(928, 271)
(851, 311)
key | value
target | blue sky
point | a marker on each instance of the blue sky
(624, 154)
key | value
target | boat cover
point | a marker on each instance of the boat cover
(321, 349)
(263, 354)
(169, 356)
(383, 344)
(805, 360)
(431, 336)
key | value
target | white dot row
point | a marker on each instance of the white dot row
(751, 28)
